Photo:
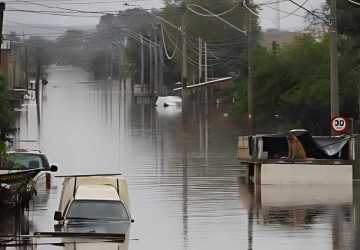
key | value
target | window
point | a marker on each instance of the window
(97, 210)
(24, 161)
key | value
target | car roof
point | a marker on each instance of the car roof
(25, 151)
(96, 192)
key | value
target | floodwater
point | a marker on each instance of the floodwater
(186, 187)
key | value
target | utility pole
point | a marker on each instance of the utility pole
(200, 60)
(206, 125)
(278, 18)
(161, 70)
(14, 66)
(334, 79)
(151, 68)
(2, 8)
(26, 68)
(37, 83)
(142, 80)
(184, 62)
(206, 74)
(120, 64)
(156, 66)
(110, 63)
(250, 82)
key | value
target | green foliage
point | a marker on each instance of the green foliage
(6, 114)
(348, 18)
(293, 78)
(349, 60)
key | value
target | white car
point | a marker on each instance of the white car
(25, 174)
(94, 204)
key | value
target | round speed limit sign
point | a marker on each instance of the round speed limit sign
(339, 124)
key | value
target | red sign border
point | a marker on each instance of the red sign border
(346, 124)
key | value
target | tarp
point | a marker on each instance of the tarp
(324, 147)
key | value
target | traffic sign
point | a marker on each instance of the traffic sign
(339, 124)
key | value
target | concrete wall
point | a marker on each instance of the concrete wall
(306, 174)
(305, 195)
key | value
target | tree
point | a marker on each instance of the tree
(348, 18)
(6, 114)
(294, 77)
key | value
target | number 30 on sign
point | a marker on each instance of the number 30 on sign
(339, 124)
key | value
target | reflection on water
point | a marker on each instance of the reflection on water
(187, 190)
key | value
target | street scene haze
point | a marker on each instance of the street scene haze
(180, 124)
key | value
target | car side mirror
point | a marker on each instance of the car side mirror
(53, 168)
(58, 216)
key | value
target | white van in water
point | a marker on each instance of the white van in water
(94, 204)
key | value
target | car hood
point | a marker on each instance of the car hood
(98, 226)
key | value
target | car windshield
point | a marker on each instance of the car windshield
(97, 210)
(24, 161)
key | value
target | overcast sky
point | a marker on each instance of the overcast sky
(24, 20)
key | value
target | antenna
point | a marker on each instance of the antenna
(278, 15)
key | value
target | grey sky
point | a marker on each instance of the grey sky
(268, 14)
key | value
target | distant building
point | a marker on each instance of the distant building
(5, 60)
(10, 65)
(280, 37)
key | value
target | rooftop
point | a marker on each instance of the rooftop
(96, 192)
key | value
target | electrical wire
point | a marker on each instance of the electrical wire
(295, 10)
(164, 45)
(249, 9)
(218, 17)
(310, 12)
(284, 11)
(51, 13)
(61, 8)
(356, 3)
(220, 14)
(272, 2)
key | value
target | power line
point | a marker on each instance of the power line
(220, 14)
(272, 2)
(295, 10)
(51, 13)
(356, 3)
(164, 44)
(284, 11)
(69, 2)
(310, 12)
(214, 15)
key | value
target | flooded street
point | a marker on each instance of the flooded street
(187, 190)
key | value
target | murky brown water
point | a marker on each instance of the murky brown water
(187, 190)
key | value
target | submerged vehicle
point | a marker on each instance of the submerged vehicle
(97, 204)
(22, 174)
